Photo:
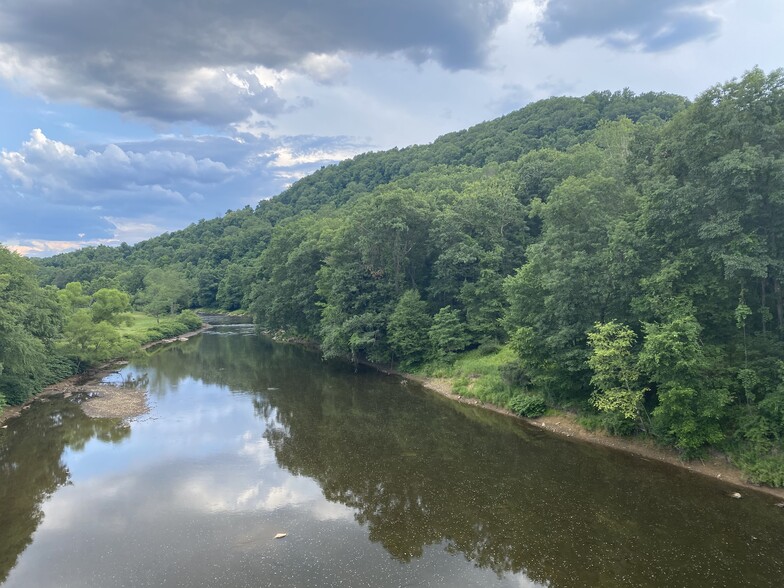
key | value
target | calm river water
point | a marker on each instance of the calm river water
(376, 483)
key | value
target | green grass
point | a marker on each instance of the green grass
(478, 375)
(143, 328)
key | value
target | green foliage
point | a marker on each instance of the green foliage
(608, 422)
(111, 306)
(145, 328)
(763, 470)
(448, 334)
(691, 392)
(408, 328)
(190, 319)
(72, 297)
(30, 321)
(477, 374)
(92, 342)
(528, 405)
(165, 291)
(581, 270)
(616, 377)
(513, 374)
(232, 288)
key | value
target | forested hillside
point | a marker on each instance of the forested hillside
(618, 254)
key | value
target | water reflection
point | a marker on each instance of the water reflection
(247, 439)
(418, 473)
(32, 466)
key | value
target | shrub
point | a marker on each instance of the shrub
(488, 348)
(766, 470)
(514, 375)
(611, 423)
(528, 405)
(190, 319)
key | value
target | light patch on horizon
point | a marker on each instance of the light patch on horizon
(43, 247)
(130, 230)
(285, 157)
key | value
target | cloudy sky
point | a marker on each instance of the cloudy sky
(122, 120)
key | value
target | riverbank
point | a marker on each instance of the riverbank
(101, 400)
(715, 465)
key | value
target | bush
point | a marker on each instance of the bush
(514, 375)
(611, 423)
(766, 470)
(190, 319)
(153, 334)
(488, 348)
(528, 405)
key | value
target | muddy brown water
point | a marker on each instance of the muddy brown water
(375, 483)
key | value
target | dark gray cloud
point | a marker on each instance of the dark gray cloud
(174, 61)
(655, 25)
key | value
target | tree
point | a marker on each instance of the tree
(111, 306)
(616, 376)
(72, 297)
(378, 251)
(91, 342)
(448, 334)
(165, 291)
(408, 328)
(691, 389)
(583, 270)
(30, 320)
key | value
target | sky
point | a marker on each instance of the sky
(123, 120)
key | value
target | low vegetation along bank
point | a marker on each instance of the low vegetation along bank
(616, 255)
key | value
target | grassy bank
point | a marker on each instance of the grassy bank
(143, 328)
(491, 375)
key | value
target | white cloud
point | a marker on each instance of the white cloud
(286, 157)
(132, 230)
(324, 68)
(57, 171)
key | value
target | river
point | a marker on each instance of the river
(374, 481)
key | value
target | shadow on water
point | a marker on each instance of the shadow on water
(421, 476)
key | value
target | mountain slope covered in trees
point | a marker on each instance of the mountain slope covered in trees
(620, 254)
